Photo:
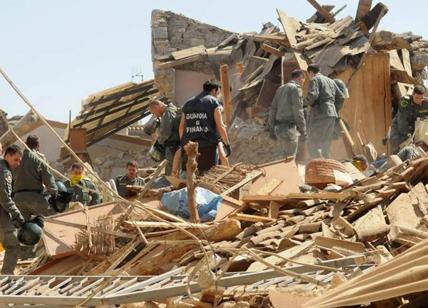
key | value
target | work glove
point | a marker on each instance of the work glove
(17, 220)
(227, 150)
(303, 137)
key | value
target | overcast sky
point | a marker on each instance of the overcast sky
(58, 51)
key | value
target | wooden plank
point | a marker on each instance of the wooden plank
(188, 52)
(252, 218)
(165, 225)
(369, 89)
(322, 11)
(59, 238)
(275, 51)
(372, 225)
(282, 170)
(290, 26)
(405, 54)
(172, 64)
(364, 7)
(227, 207)
(227, 97)
(340, 244)
(298, 196)
(253, 175)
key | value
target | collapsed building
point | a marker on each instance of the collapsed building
(335, 237)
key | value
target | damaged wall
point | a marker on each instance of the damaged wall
(172, 32)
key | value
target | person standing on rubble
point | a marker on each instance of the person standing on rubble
(31, 180)
(286, 116)
(10, 217)
(410, 108)
(168, 137)
(130, 178)
(84, 191)
(202, 122)
(320, 101)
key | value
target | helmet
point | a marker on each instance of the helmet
(31, 231)
(157, 152)
(61, 200)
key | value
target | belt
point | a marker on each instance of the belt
(28, 190)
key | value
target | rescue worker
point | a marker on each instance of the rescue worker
(286, 116)
(403, 124)
(31, 179)
(84, 191)
(342, 93)
(321, 98)
(130, 178)
(202, 122)
(168, 136)
(11, 218)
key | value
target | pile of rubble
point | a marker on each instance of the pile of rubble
(269, 244)
(275, 241)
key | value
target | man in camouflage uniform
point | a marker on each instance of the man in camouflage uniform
(286, 116)
(403, 124)
(10, 216)
(130, 178)
(322, 96)
(168, 137)
(29, 179)
(84, 191)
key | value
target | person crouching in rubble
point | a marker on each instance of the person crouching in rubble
(168, 138)
(84, 191)
(286, 116)
(410, 108)
(130, 178)
(202, 122)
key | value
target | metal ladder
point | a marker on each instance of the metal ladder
(66, 291)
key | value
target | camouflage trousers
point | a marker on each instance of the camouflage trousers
(320, 135)
(287, 137)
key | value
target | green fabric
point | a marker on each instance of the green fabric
(32, 174)
(87, 195)
(122, 181)
(287, 107)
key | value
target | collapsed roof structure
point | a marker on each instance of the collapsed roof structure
(270, 245)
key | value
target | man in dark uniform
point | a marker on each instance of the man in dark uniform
(168, 136)
(10, 217)
(202, 122)
(286, 116)
(409, 109)
(322, 96)
(84, 191)
(130, 178)
(29, 179)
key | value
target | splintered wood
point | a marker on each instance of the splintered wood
(97, 240)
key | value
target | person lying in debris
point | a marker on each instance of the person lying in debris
(130, 178)
(84, 191)
(410, 108)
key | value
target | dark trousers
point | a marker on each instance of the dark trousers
(206, 160)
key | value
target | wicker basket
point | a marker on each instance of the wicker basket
(320, 172)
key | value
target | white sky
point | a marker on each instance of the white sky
(60, 51)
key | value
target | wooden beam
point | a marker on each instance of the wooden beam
(165, 225)
(298, 196)
(252, 218)
(227, 97)
(322, 11)
(364, 7)
(272, 50)
(191, 149)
